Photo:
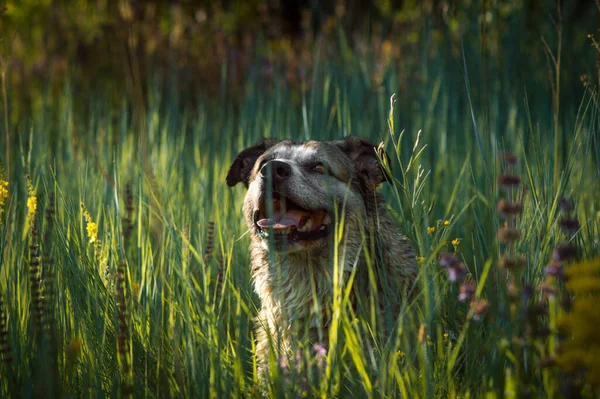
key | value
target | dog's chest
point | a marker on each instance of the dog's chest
(295, 291)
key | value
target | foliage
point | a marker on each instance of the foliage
(112, 48)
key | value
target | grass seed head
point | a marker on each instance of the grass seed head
(5, 349)
(128, 222)
(540, 310)
(512, 263)
(566, 205)
(508, 234)
(512, 292)
(209, 240)
(569, 226)
(564, 253)
(509, 158)
(509, 181)
(506, 208)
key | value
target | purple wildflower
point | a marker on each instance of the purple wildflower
(457, 272)
(480, 306)
(554, 269)
(447, 260)
(569, 226)
(467, 290)
(564, 252)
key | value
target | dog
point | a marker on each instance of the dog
(298, 194)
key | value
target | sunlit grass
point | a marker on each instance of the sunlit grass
(148, 291)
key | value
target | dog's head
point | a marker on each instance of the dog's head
(294, 188)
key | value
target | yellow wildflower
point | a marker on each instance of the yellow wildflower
(455, 243)
(420, 259)
(31, 206)
(584, 284)
(3, 194)
(91, 227)
(586, 268)
(430, 229)
(399, 353)
(446, 223)
(581, 321)
(32, 200)
(92, 231)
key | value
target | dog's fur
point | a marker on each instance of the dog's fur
(295, 281)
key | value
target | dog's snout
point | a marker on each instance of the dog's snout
(280, 171)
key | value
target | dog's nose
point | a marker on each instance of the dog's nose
(280, 170)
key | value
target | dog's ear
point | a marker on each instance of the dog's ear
(365, 156)
(242, 164)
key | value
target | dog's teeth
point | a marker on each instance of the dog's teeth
(303, 222)
(323, 227)
(307, 225)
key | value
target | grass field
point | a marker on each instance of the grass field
(125, 268)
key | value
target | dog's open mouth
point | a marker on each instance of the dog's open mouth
(291, 222)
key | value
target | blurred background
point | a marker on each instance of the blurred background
(209, 50)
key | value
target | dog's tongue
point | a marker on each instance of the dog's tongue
(282, 222)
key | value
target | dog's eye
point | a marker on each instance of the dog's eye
(318, 167)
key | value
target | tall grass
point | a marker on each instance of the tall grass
(159, 303)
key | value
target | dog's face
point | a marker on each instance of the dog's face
(295, 189)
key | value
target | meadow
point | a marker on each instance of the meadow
(125, 267)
